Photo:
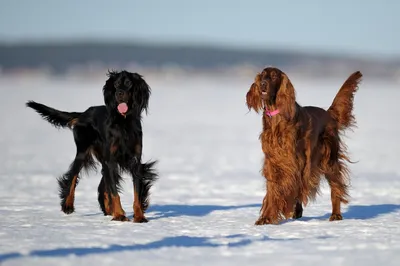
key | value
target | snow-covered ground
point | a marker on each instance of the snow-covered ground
(210, 190)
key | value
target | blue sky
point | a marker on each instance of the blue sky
(359, 27)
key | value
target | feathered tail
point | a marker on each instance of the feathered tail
(341, 109)
(55, 117)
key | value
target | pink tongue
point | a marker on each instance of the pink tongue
(122, 108)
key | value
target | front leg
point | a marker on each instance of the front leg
(139, 187)
(138, 204)
(263, 219)
(269, 211)
(111, 182)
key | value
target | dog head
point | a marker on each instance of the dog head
(126, 93)
(273, 90)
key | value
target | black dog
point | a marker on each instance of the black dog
(113, 135)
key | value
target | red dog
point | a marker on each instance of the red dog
(300, 145)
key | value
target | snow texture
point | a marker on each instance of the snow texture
(209, 193)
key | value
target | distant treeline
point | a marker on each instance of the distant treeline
(60, 57)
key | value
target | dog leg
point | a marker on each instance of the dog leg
(138, 216)
(117, 212)
(336, 213)
(67, 183)
(103, 197)
(264, 217)
(138, 191)
(298, 210)
(338, 190)
(111, 181)
(268, 212)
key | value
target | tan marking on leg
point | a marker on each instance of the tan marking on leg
(69, 202)
(117, 212)
(137, 210)
(107, 204)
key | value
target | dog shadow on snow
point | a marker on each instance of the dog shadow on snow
(237, 240)
(361, 212)
(354, 212)
(177, 210)
(357, 212)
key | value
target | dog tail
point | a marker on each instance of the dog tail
(55, 117)
(341, 109)
(149, 176)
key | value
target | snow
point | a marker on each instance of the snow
(204, 205)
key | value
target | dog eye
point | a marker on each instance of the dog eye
(128, 83)
(117, 83)
(273, 75)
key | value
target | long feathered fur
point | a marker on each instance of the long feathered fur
(300, 144)
(59, 119)
(113, 139)
(342, 106)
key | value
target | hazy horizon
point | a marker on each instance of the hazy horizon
(359, 28)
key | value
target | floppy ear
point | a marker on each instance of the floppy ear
(141, 93)
(253, 98)
(109, 91)
(285, 98)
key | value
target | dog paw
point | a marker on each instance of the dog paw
(297, 215)
(336, 217)
(140, 220)
(67, 209)
(120, 218)
(263, 220)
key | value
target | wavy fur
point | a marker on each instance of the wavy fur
(300, 145)
(114, 140)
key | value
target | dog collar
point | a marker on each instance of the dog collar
(271, 113)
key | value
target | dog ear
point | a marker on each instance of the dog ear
(141, 93)
(253, 96)
(285, 98)
(109, 91)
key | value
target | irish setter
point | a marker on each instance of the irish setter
(300, 145)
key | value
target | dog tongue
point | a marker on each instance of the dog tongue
(122, 108)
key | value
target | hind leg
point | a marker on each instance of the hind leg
(68, 182)
(336, 173)
(298, 210)
(339, 193)
(336, 213)
(103, 197)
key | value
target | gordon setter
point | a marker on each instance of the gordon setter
(300, 145)
(112, 134)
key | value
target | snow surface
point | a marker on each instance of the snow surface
(210, 189)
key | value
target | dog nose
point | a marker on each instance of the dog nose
(119, 93)
(264, 86)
